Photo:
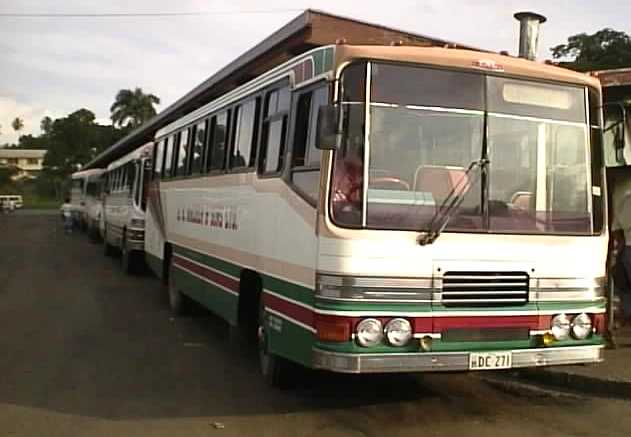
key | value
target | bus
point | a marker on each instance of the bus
(124, 205)
(85, 199)
(365, 209)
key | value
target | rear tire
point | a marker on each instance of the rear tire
(108, 249)
(128, 259)
(179, 303)
(277, 371)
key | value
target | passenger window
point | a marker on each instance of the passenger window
(217, 149)
(199, 140)
(306, 157)
(168, 157)
(157, 159)
(274, 131)
(182, 153)
(243, 152)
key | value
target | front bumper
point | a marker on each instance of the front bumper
(449, 361)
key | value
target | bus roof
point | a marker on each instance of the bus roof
(466, 59)
(87, 173)
(141, 152)
(312, 28)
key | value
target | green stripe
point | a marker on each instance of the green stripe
(282, 287)
(217, 300)
(456, 346)
(210, 261)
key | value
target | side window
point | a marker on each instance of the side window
(243, 153)
(217, 148)
(158, 159)
(182, 153)
(168, 157)
(274, 131)
(305, 164)
(131, 175)
(199, 140)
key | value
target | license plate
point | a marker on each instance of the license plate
(490, 360)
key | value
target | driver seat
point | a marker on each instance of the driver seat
(438, 180)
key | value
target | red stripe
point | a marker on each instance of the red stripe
(225, 281)
(296, 312)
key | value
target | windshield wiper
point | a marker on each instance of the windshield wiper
(452, 202)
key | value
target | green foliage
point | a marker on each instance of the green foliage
(603, 50)
(6, 172)
(133, 108)
(46, 125)
(17, 124)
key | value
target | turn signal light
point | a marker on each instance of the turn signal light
(547, 339)
(333, 331)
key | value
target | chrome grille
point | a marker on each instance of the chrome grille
(484, 288)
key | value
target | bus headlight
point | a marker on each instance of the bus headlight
(560, 326)
(398, 332)
(369, 332)
(581, 326)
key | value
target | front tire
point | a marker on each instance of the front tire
(277, 371)
(179, 303)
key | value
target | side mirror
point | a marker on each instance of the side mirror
(327, 131)
(615, 129)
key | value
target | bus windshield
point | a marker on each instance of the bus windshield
(425, 126)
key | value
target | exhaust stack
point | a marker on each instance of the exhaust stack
(529, 33)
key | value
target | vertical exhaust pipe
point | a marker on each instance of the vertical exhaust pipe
(529, 33)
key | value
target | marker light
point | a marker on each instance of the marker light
(561, 326)
(581, 326)
(369, 332)
(398, 332)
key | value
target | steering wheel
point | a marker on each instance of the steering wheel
(386, 180)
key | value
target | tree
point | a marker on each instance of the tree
(17, 124)
(603, 50)
(46, 125)
(133, 108)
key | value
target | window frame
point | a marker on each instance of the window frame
(286, 117)
(234, 124)
(212, 125)
(291, 137)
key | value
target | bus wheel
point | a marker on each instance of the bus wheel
(108, 250)
(128, 259)
(276, 370)
(180, 304)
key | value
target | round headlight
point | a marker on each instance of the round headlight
(398, 332)
(560, 326)
(581, 326)
(369, 332)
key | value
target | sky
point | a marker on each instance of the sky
(54, 66)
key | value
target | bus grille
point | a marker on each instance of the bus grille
(485, 288)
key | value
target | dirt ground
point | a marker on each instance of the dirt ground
(88, 351)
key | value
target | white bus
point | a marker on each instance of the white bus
(389, 209)
(85, 198)
(124, 205)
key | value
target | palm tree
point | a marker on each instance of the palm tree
(133, 108)
(18, 124)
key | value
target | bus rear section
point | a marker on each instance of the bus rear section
(124, 206)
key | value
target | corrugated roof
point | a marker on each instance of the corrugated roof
(22, 153)
(310, 29)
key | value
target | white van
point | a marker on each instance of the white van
(16, 199)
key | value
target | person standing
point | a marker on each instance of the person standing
(66, 214)
(621, 236)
